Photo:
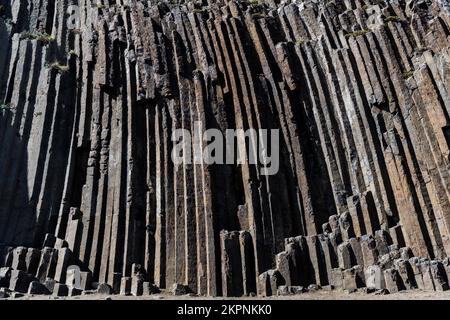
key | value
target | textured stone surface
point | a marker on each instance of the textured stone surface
(358, 89)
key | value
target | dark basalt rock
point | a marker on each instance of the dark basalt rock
(359, 91)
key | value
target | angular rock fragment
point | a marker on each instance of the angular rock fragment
(104, 289)
(369, 251)
(37, 288)
(394, 282)
(4, 293)
(20, 281)
(353, 278)
(290, 290)
(19, 259)
(50, 285)
(137, 287)
(268, 283)
(63, 261)
(382, 240)
(345, 254)
(125, 286)
(117, 278)
(374, 277)
(418, 277)
(337, 278)
(60, 290)
(7, 257)
(74, 292)
(85, 280)
(32, 260)
(47, 264)
(346, 226)
(149, 289)
(358, 94)
(5, 276)
(439, 276)
(73, 277)
(406, 253)
(180, 290)
(424, 266)
(357, 253)
(406, 273)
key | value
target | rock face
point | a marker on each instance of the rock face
(91, 92)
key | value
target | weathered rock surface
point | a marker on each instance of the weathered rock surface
(90, 96)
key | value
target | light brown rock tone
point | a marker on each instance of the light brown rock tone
(359, 89)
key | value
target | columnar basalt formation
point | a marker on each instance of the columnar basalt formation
(92, 90)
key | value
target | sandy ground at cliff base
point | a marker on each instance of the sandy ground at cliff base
(319, 295)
